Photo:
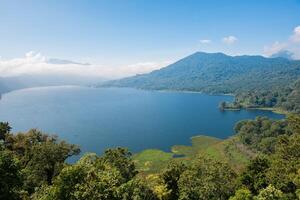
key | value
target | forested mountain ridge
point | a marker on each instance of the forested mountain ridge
(217, 73)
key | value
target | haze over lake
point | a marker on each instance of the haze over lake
(100, 118)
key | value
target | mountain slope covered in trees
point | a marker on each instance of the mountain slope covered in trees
(218, 73)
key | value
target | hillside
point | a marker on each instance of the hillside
(217, 73)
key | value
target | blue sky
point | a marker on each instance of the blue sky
(126, 32)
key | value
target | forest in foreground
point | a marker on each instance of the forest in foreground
(260, 162)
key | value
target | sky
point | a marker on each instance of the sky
(125, 37)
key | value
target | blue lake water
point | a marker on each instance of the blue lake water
(100, 118)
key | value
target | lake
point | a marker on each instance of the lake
(99, 118)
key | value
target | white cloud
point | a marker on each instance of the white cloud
(37, 64)
(296, 35)
(290, 45)
(205, 41)
(274, 48)
(229, 40)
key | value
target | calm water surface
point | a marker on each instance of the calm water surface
(97, 119)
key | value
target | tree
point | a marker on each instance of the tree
(207, 179)
(242, 194)
(45, 161)
(135, 189)
(84, 180)
(4, 130)
(294, 123)
(270, 193)
(157, 185)
(171, 176)
(10, 176)
(222, 105)
(120, 158)
(254, 177)
(41, 156)
(92, 177)
(285, 163)
(297, 183)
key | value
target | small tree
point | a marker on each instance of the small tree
(4, 130)
(222, 105)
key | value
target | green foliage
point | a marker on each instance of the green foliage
(294, 123)
(281, 167)
(87, 179)
(242, 194)
(10, 176)
(207, 179)
(254, 177)
(92, 177)
(158, 186)
(171, 176)
(261, 134)
(41, 156)
(4, 130)
(120, 158)
(135, 190)
(230, 106)
(285, 164)
(285, 97)
(270, 193)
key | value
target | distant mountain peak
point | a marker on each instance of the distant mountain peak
(283, 54)
(64, 62)
(202, 53)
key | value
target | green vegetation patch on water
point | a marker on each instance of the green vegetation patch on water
(152, 160)
(229, 150)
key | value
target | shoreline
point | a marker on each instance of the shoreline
(274, 110)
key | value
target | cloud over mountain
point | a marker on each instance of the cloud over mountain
(37, 64)
(292, 45)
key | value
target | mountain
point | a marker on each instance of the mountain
(283, 54)
(64, 62)
(217, 73)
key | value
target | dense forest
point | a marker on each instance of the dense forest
(33, 166)
(282, 99)
(286, 98)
